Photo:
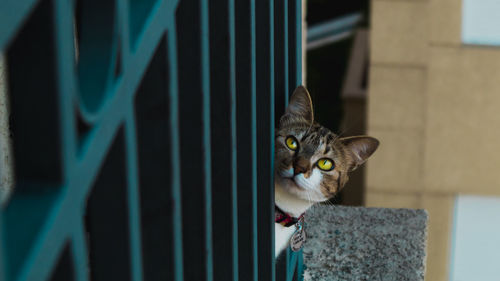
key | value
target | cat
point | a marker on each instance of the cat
(311, 164)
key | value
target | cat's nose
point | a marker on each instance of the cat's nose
(300, 165)
(299, 168)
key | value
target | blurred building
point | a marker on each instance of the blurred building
(434, 103)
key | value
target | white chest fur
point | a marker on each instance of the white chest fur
(282, 237)
(293, 206)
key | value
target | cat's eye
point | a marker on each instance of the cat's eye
(325, 164)
(291, 143)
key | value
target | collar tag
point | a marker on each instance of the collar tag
(299, 237)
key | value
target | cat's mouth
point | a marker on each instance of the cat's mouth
(291, 185)
(288, 173)
(295, 185)
(289, 179)
(292, 181)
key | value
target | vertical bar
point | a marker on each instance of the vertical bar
(280, 91)
(133, 196)
(265, 137)
(298, 81)
(272, 122)
(40, 153)
(65, 54)
(254, 136)
(175, 153)
(205, 75)
(45, 136)
(224, 190)
(294, 79)
(194, 89)
(122, 9)
(288, 76)
(153, 143)
(285, 50)
(281, 94)
(234, 158)
(292, 45)
(80, 254)
(246, 138)
(298, 42)
(109, 243)
(66, 81)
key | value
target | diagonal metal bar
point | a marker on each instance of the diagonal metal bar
(13, 13)
(80, 179)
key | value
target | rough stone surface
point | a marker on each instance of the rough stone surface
(5, 147)
(354, 243)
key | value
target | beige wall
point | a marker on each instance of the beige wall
(435, 105)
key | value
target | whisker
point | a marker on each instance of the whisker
(309, 196)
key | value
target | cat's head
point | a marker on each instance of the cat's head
(311, 162)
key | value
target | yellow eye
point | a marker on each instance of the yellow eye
(291, 142)
(325, 164)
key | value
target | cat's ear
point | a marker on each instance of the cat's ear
(361, 147)
(300, 105)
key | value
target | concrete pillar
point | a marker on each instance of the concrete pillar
(6, 159)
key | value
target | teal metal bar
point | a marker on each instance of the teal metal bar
(38, 181)
(67, 87)
(246, 139)
(297, 261)
(109, 243)
(333, 27)
(97, 128)
(122, 10)
(54, 231)
(205, 76)
(12, 15)
(224, 194)
(279, 64)
(254, 137)
(298, 42)
(193, 103)
(234, 156)
(285, 51)
(175, 152)
(79, 249)
(133, 197)
(265, 135)
(139, 12)
(272, 121)
(153, 142)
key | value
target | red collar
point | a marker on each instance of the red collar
(283, 218)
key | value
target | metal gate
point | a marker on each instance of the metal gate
(142, 135)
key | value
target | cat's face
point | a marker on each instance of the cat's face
(311, 162)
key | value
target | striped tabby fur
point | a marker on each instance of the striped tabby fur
(299, 180)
